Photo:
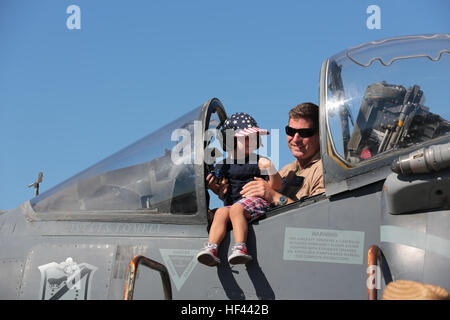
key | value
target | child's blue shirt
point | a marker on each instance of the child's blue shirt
(238, 175)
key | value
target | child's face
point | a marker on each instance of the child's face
(246, 145)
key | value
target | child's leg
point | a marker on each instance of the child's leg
(219, 225)
(238, 216)
(208, 256)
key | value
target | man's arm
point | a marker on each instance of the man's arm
(261, 188)
(317, 184)
(275, 181)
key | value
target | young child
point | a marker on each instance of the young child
(238, 169)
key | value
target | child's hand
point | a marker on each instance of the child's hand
(266, 166)
(264, 163)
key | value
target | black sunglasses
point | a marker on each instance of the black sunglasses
(304, 133)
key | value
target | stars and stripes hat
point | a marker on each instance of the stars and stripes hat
(243, 124)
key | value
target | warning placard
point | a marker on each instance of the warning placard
(323, 245)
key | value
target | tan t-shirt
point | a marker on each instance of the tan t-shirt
(303, 182)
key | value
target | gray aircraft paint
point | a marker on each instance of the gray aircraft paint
(355, 207)
(420, 240)
(179, 263)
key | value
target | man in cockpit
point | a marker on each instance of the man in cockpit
(304, 176)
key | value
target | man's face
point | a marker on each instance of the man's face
(302, 148)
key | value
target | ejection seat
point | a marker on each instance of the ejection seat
(392, 117)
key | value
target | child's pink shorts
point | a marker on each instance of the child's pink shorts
(256, 206)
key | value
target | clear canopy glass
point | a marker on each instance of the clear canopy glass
(388, 95)
(141, 177)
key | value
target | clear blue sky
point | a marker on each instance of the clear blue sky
(69, 98)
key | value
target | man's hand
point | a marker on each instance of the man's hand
(259, 188)
(220, 188)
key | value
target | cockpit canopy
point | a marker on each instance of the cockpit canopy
(388, 95)
(152, 176)
(382, 98)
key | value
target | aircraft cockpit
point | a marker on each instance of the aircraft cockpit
(381, 99)
(158, 178)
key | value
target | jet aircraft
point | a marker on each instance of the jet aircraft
(130, 226)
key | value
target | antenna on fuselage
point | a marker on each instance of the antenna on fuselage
(36, 184)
